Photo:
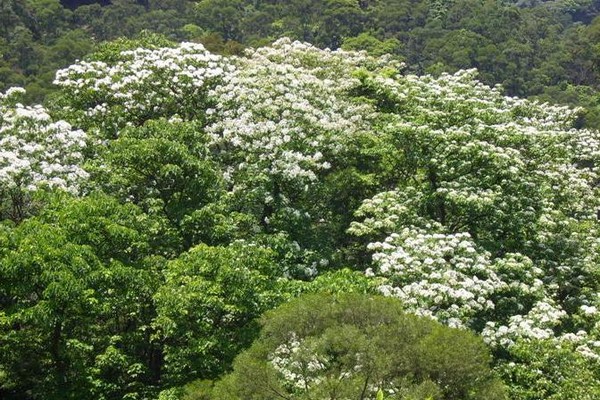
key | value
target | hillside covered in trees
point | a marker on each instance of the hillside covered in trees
(545, 49)
(217, 210)
(166, 197)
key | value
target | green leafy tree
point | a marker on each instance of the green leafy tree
(164, 167)
(353, 346)
(51, 19)
(76, 302)
(208, 305)
(223, 17)
(371, 44)
(545, 370)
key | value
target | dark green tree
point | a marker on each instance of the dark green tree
(352, 346)
(76, 302)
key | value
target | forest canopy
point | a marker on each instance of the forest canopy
(165, 197)
(545, 49)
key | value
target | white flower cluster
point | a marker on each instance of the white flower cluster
(446, 277)
(509, 171)
(36, 152)
(284, 111)
(537, 324)
(298, 365)
(388, 211)
(143, 84)
(540, 324)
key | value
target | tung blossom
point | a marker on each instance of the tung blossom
(36, 152)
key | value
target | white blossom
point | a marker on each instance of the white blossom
(36, 152)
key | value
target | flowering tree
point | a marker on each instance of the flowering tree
(284, 113)
(128, 86)
(479, 210)
(282, 124)
(36, 152)
(492, 224)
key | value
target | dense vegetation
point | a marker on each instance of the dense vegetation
(166, 197)
(352, 347)
(546, 49)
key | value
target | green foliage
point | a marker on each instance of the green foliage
(163, 168)
(550, 372)
(110, 52)
(114, 230)
(76, 298)
(47, 308)
(233, 177)
(371, 44)
(342, 281)
(351, 346)
(207, 306)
